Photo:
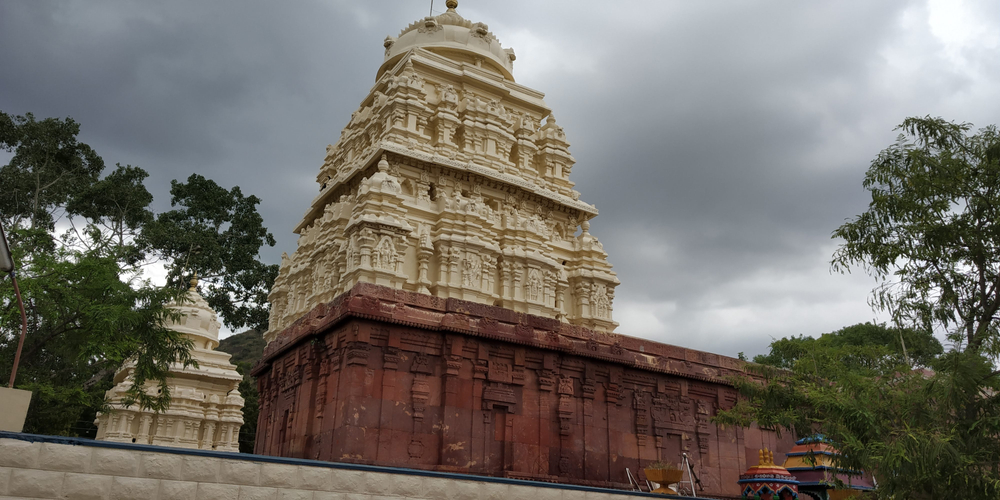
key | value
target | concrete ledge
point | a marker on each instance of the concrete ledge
(61, 467)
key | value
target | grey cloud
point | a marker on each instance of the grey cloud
(721, 141)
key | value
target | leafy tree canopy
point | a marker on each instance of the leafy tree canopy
(218, 233)
(926, 423)
(81, 238)
(919, 346)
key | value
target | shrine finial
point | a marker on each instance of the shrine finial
(452, 4)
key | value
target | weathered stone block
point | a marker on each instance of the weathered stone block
(114, 462)
(64, 458)
(208, 491)
(409, 486)
(376, 483)
(439, 489)
(467, 490)
(329, 495)
(239, 472)
(258, 493)
(288, 494)
(161, 465)
(132, 488)
(19, 454)
(542, 493)
(200, 469)
(494, 491)
(315, 478)
(278, 475)
(87, 486)
(178, 490)
(347, 481)
(35, 483)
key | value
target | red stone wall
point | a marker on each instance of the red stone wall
(388, 377)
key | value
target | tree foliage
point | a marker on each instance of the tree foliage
(217, 233)
(926, 423)
(931, 233)
(79, 238)
(49, 166)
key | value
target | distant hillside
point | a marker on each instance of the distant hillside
(246, 348)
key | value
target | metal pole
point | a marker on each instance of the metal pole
(7, 266)
(24, 330)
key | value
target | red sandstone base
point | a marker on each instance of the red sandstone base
(387, 377)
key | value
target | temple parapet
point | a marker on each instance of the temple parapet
(478, 320)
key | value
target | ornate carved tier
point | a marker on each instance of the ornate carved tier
(450, 180)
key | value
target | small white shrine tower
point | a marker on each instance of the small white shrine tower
(206, 409)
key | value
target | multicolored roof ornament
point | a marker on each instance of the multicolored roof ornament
(767, 481)
(812, 462)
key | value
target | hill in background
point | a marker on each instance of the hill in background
(246, 347)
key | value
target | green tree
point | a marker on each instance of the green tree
(917, 346)
(931, 237)
(48, 168)
(88, 307)
(217, 233)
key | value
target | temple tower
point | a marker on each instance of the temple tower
(452, 180)
(447, 308)
(206, 409)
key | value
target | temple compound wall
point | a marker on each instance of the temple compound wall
(71, 468)
(395, 378)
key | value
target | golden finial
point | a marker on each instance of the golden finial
(194, 283)
(452, 4)
(760, 459)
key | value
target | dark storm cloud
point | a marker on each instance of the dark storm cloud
(722, 142)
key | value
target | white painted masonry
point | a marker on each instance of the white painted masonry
(67, 468)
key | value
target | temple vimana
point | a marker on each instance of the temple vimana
(448, 309)
(450, 180)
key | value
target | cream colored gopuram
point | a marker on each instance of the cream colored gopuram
(206, 409)
(447, 182)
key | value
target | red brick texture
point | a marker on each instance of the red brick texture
(388, 377)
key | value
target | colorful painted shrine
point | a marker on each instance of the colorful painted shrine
(811, 460)
(767, 481)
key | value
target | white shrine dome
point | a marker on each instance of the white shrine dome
(198, 320)
(451, 35)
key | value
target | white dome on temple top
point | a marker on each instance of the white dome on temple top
(198, 320)
(451, 35)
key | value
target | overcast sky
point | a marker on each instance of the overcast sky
(722, 141)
